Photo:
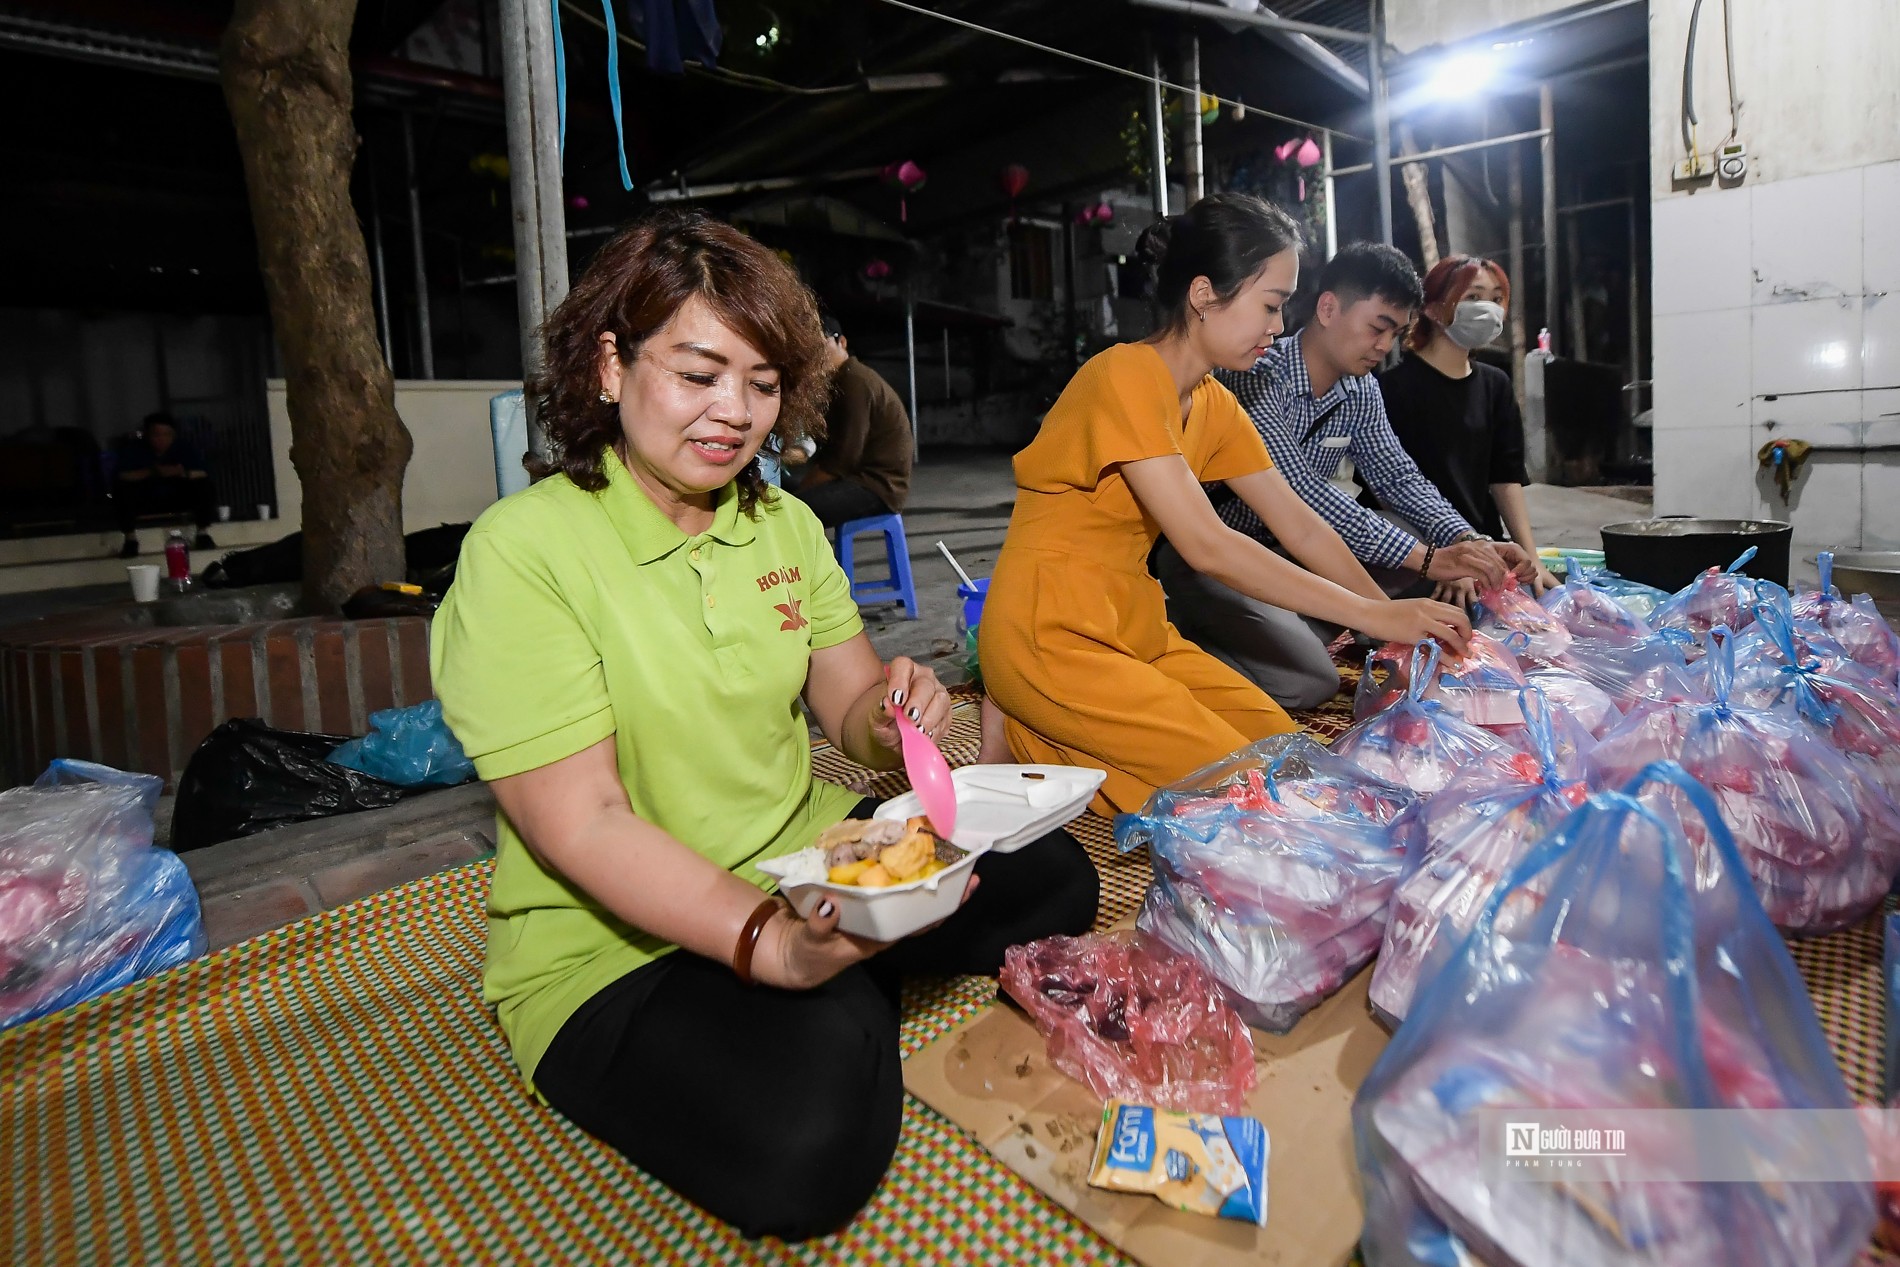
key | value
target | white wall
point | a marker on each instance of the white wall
(1777, 303)
(451, 476)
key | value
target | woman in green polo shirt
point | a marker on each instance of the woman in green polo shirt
(622, 655)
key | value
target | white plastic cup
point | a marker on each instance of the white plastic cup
(263, 510)
(224, 514)
(144, 577)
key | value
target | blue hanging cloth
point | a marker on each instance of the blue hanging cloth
(677, 32)
(560, 70)
(613, 92)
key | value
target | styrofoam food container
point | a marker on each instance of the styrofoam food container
(885, 914)
(1001, 808)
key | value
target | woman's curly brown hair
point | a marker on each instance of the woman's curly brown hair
(631, 289)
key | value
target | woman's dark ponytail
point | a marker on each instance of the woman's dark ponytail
(1225, 238)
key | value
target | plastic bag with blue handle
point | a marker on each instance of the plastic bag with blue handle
(409, 747)
(1720, 597)
(1814, 681)
(1418, 742)
(1821, 842)
(1601, 606)
(1459, 844)
(1281, 899)
(1619, 966)
(87, 904)
(1854, 623)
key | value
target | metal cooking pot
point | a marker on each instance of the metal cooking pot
(1669, 553)
(1874, 572)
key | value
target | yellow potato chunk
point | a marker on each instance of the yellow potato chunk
(875, 877)
(908, 856)
(930, 868)
(849, 873)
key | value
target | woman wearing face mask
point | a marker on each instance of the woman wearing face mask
(1457, 417)
(1075, 642)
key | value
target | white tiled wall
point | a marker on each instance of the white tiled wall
(1777, 315)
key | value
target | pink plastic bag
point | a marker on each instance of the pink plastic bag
(1512, 617)
(1134, 1020)
(1821, 842)
(1859, 629)
(1480, 686)
(1459, 845)
(1588, 704)
(1717, 598)
(1418, 742)
(1814, 682)
(1592, 611)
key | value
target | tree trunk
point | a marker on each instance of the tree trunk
(1418, 192)
(286, 74)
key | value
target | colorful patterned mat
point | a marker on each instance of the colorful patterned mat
(335, 1091)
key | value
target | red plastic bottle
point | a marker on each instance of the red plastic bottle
(177, 559)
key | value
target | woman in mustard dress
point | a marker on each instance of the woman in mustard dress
(1076, 647)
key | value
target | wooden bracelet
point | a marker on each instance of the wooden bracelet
(749, 939)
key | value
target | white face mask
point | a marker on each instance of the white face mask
(1476, 323)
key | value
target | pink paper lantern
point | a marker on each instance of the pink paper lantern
(1308, 153)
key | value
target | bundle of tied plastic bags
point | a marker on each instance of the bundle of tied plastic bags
(1511, 616)
(1459, 845)
(86, 903)
(1134, 1020)
(1640, 974)
(1819, 837)
(1281, 898)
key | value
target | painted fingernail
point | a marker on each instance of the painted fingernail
(825, 908)
(897, 698)
(915, 715)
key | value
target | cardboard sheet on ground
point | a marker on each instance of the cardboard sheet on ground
(992, 1078)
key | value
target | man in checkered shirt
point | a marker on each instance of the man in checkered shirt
(1314, 400)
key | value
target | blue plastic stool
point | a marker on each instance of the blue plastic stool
(896, 550)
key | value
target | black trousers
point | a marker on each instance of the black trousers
(778, 1110)
(158, 493)
(840, 501)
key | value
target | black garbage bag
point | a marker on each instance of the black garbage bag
(429, 556)
(373, 602)
(246, 778)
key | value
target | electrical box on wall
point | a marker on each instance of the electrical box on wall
(1695, 167)
(1731, 162)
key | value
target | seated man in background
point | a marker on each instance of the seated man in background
(161, 471)
(862, 467)
(1313, 399)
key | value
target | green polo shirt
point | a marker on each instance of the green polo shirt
(577, 615)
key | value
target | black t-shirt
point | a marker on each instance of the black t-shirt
(1464, 433)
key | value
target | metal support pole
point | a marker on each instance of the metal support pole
(1636, 333)
(1157, 130)
(1332, 190)
(946, 363)
(534, 176)
(1196, 175)
(1547, 149)
(382, 277)
(425, 335)
(1381, 118)
(910, 361)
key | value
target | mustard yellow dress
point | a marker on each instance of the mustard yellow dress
(1075, 641)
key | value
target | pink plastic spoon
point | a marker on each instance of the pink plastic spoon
(929, 777)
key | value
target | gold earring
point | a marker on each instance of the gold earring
(605, 399)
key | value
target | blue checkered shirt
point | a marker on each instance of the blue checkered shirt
(1277, 394)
